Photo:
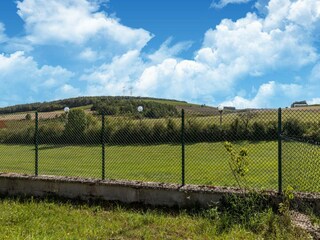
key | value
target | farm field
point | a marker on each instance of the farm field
(203, 115)
(206, 163)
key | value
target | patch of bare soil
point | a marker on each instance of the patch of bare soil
(303, 221)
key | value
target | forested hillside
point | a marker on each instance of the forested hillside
(111, 105)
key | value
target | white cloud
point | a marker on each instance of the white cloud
(281, 40)
(223, 3)
(261, 6)
(259, 50)
(185, 79)
(166, 51)
(234, 50)
(88, 55)
(3, 36)
(67, 90)
(314, 101)
(270, 94)
(305, 13)
(76, 22)
(315, 74)
(24, 79)
(230, 52)
(109, 79)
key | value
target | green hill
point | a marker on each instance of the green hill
(112, 105)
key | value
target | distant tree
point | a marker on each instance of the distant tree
(28, 117)
(76, 124)
(246, 117)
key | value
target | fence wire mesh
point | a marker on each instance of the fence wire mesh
(207, 161)
(301, 149)
(143, 149)
(16, 143)
(69, 144)
(133, 147)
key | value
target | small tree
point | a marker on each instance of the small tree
(238, 163)
(246, 117)
(76, 124)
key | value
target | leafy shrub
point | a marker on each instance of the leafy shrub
(293, 128)
(312, 132)
(159, 132)
(173, 131)
(194, 131)
(28, 117)
(50, 133)
(252, 211)
(75, 126)
(258, 131)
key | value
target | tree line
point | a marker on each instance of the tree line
(80, 128)
(124, 107)
(73, 102)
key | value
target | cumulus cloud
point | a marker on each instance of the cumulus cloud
(223, 3)
(258, 48)
(88, 55)
(3, 36)
(166, 51)
(76, 22)
(24, 79)
(315, 74)
(185, 79)
(110, 78)
(234, 50)
(67, 90)
(304, 13)
(314, 101)
(249, 47)
(281, 39)
(267, 93)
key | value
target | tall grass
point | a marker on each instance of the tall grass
(33, 219)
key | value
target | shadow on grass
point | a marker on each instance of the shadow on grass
(47, 147)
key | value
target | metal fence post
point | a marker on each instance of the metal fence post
(36, 144)
(279, 151)
(183, 149)
(103, 146)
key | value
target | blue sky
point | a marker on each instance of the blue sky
(242, 53)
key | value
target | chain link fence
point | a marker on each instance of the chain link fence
(207, 159)
(16, 143)
(301, 149)
(186, 149)
(143, 149)
(69, 146)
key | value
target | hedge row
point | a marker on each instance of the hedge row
(164, 131)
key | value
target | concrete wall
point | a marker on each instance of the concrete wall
(155, 194)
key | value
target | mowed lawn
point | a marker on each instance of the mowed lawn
(205, 163)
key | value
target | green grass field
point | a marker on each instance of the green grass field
(206, 163)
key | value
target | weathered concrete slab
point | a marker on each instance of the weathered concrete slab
(155, 194)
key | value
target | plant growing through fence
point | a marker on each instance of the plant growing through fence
(238, 164)
(284, 206)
